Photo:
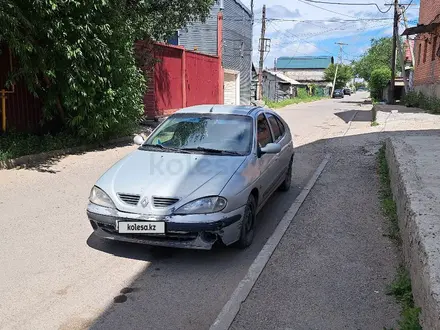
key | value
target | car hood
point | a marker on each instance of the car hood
(180, 176)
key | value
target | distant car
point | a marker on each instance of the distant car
(338, 93)
(347, 91)
(362, 89)
(200, 177)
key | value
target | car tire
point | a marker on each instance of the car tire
(285, 186)
(247, 231)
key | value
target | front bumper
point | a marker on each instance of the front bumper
(182, 231)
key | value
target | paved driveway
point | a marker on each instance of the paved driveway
(56, 275)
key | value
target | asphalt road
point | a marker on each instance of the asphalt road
(56, 275)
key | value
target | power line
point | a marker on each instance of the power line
(331, 11)
(298, 36)
(340, 28)
(350, 4)
(334, 20)
(406, 7)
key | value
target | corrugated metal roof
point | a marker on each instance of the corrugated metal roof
(283, 77)
(304, 62)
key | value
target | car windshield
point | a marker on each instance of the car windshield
(205, 133)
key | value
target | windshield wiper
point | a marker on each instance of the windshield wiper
(161, 147)
(214, 151)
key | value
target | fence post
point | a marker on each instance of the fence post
(184, 78)
(220, 57)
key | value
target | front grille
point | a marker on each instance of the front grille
(164, 202)
(130, 199)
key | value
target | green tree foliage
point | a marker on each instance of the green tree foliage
(377, 56)
(358, 85)
(78, 55)
(345, 74)
(378, 81)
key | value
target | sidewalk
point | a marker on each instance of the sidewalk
(332, 267)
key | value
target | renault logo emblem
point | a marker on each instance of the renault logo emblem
(144, 202)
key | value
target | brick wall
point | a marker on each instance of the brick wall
(427, 71)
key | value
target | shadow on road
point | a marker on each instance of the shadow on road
(41, 163)
(178, 283)
(366, 101)
(399, 108)
(355, 115)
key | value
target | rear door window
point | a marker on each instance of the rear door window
(264, 135)
(277, 126)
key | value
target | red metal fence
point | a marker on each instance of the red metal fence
(23, 110)
(180, 78)
(202, 79)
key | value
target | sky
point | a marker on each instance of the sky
(317, 36)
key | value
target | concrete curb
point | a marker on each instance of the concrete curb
(420, 228)
(32, 160)
(232, 307)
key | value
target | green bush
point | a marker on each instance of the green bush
(302, 93)
(412, 99)
(378, 81)
(419, 100)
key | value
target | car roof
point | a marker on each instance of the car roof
(242, 110)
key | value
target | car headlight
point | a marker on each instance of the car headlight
(203, 205)
(99, 197)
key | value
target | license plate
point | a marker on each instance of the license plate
(141, 227)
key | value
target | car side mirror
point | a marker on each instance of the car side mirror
(271, 148)
(139, 140)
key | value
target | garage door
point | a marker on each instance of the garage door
(230, 89)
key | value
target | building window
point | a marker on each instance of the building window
(419, 56)
(425, 52)
(434, 48)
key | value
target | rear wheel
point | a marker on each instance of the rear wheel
(285, 186)
(247, 232)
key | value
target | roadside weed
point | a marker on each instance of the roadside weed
(400, 288)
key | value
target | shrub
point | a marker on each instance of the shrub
(419, 100)
(378, 81)
(302, 93)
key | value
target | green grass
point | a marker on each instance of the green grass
(400, 288)
(15, 145)
(296, 100)
(386, 197)
(374, 123)
(402, 291)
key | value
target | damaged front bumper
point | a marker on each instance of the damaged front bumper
(195, 231)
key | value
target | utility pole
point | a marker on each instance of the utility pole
(402, 56)
(276, 78)
(252, 11)
(262, 49)
(337, 64)
(393, 55)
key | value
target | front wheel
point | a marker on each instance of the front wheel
(285, 186)
(247, 232)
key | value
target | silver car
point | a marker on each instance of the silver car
(201, 177)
